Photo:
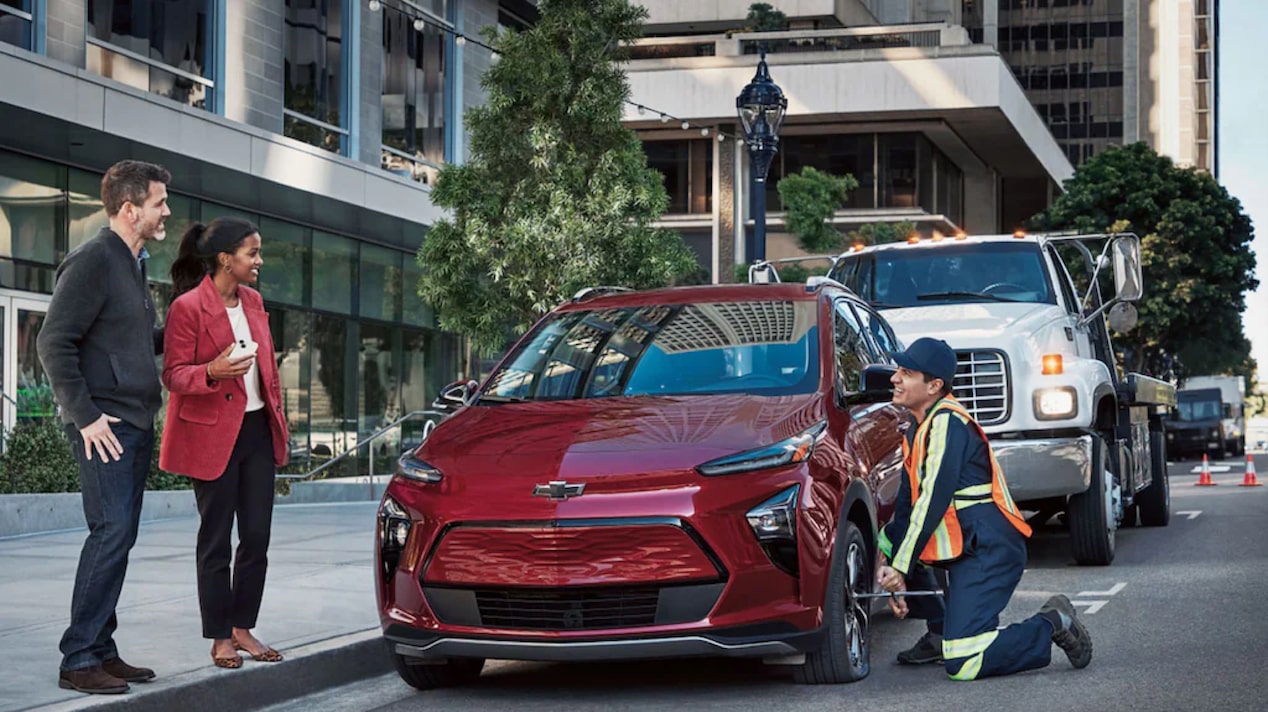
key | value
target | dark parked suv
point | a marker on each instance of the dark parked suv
(695, 471)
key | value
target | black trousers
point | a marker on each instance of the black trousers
(244, 492)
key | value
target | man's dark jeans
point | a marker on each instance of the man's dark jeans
(112, 494)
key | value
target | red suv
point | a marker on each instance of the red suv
(695, 471)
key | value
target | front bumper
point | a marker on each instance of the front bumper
(1050, 467)
(764, 640)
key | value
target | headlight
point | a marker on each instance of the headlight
(412, 468)
(394, 527)
(1056, 403)
(785, 452)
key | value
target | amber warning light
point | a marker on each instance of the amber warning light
(1052, 364)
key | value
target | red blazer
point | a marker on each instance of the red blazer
(203, 420)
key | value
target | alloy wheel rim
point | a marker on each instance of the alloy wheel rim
(856, 614)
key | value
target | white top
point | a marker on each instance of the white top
(242, 332)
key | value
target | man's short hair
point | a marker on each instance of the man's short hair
(129, 182)
(946, 387)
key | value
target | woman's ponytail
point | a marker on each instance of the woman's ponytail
(188, 269)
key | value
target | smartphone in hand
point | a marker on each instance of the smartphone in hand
(243, 348)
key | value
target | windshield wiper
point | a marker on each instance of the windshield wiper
(970, 295)
(501, 399)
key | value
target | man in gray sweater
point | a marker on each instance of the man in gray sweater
(98, 345)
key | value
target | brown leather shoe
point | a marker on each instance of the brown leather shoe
(126, 672)
(93, 680)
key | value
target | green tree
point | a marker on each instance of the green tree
(1195, 252)
(811, 197)
(762, 17)
(880, 233)
(556, 194)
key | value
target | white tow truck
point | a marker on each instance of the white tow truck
(1037, 367)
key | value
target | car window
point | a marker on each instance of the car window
(844, 271)
(753, 347)
(850, 348)
(883, 339)
(1063, 276)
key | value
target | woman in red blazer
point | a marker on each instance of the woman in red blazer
(225, 426)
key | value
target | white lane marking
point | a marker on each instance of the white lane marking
(1192, 514)
(1197, 469)
(1117, 587)
(1092, 606)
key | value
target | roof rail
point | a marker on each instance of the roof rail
(590, 292)
(814, 282)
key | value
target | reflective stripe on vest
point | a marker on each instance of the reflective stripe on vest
(947, 541)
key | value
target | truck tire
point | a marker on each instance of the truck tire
(1092, 529)
(1154, 503)
(845, 654)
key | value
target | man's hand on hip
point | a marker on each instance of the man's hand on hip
(98, 435)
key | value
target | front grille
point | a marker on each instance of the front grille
(568, 609)
(982, 385)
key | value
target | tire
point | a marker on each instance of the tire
(456, 672)
(845, 654)
(1155, 502)
(1091, 527)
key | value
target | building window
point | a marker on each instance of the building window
(898, 170)
(842, 154)
(16, 23)
(688, 170)
(413, 96)
(313, 70)
(159, 46)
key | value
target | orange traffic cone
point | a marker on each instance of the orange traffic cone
(1204, 479)
(1250, 480)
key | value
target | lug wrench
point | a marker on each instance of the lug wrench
(897, 594)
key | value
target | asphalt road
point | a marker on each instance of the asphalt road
(1177, 623)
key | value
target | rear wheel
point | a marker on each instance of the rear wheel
(1092, 523)
(1155, 502)
(845, 654)
(456, 672)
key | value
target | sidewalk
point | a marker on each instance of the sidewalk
(319, 598)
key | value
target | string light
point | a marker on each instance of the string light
(422, 21)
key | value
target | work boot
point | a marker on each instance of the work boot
(126, 672)
(926, 650)
(93, 680)
(1068, 631)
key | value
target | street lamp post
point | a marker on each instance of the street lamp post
(761, 106)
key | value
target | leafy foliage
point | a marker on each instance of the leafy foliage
(1196, 257)
(762, 17)
(557, 194)
(37, 458)
(811, 197)
(880, 233)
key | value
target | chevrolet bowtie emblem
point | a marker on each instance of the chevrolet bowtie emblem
(558, 489)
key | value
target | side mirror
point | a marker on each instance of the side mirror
(1122, 317)
(875, 386)
(454, 396)
(1126, 258)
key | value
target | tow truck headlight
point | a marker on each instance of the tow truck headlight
(1056, 403)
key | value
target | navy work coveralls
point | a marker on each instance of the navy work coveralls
(980, 582)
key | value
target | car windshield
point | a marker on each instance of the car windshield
(1190, 411)
(967, 272)
(767, 348)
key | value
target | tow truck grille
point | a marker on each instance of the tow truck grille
(982, 385)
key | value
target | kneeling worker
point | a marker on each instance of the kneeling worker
(960, 516)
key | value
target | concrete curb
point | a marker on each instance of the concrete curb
(23, 514)
(306, 669)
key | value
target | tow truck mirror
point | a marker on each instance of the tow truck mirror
(875, 384)
(1126, 259)
(1122, 317)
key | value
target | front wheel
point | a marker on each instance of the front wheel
(845, 654)
(1092, 525)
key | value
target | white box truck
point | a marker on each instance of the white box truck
(1228, 427)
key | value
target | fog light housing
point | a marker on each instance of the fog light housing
(1057, 403)
(394, 528)
(774, 523)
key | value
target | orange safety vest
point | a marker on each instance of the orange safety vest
(947, 542)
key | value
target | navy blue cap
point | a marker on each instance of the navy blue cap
(930, 356)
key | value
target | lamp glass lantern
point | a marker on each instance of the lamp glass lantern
(761, 106)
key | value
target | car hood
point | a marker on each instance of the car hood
(971, 325)
(612, 436)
